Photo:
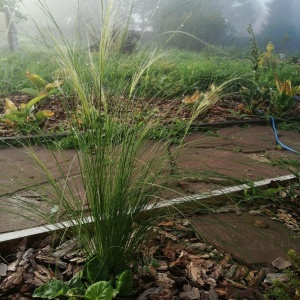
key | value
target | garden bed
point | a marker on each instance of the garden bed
(182, 266)
(225, 113)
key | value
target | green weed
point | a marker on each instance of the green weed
(289, 125)
(289, 289)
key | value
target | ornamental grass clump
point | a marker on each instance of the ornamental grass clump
(120, 173)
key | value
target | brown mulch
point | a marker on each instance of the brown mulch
(183, 266)
(225, 110)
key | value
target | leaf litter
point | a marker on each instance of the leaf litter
(182, 267)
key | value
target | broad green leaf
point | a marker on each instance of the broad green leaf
(101, 290)
(10, 105)
(53, 85)
(37, 80)
(76, 292)
(11, 117)
(296, 90)
(76, 286)
(51, 290)
(94, 270)
(52, 91)
(30, 91)
(75, 281)
(124, 283)
(154, 263)
(36, 100)
(43, 114)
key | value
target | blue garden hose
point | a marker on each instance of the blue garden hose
(278, 142)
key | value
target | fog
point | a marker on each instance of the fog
(223, 22)
(66, 11)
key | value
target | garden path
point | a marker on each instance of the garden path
(242, 153)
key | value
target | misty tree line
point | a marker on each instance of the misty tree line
(217, 22)
(222, 22)
(282, 26)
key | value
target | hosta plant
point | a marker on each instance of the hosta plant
(14, 115)
(41, 85)
(19, 116)
(93, 282)
(283, 99)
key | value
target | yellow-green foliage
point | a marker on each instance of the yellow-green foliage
(24, 113)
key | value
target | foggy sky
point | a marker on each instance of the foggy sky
(64, 11)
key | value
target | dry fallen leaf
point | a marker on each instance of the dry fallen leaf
(162, 280)
(192, 99)
(260, 223)
(190, 293)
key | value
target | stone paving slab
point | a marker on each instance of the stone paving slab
(19, 170)
(228, 163)
(236, 234)
(248, 140)
(238, 152)
(252, 139)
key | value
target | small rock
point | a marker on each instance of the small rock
(156, 293)
(280, 263)
(271, 277)
(3, 269)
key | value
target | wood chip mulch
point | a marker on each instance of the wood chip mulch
(225, 110)
(183, 267)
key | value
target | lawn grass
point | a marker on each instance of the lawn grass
(178, 74)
